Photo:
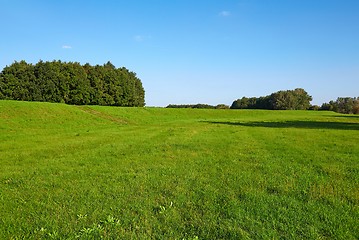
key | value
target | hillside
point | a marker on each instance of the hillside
(88, 172)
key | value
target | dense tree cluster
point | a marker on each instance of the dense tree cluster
(199, 105)
(297, 99)
(71, 83)
(342, 105)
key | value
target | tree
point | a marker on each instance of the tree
(222, 106)
(297, 99)
(356, 106)
(71, 83)
(16, 81)
(343, 105)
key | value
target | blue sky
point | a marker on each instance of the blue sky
(196, 51)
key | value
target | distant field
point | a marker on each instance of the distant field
(90, 172)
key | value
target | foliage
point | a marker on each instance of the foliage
(314, 108)
(343, 105)
(199, 105)
(297, 99)
(71, 83)
(222, 106)
(92, 172)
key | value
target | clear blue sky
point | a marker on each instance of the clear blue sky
(196, 51)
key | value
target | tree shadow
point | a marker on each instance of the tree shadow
(347, 116)
(296, 124)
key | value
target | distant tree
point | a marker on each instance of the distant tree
(245, 103)
(343, 105)
(281, 100)
(240, 103)
(325, 107)
(204, 106)
(262, 103)
(314, 108)
(222, 106)
(302, 99)
(236, 104)
(356, 106)
(297, 99)
(199, 105)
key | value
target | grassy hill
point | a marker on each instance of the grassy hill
(90, 172)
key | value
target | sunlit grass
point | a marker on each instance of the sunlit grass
(70, 172)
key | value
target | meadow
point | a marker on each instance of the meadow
(91, 172)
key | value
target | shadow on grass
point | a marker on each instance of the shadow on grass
(296, 124)
(347, 116)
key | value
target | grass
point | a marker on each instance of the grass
(90, 172)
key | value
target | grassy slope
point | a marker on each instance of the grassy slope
(86, 172)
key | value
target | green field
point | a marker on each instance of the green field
(90, 172)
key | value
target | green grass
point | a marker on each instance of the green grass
(90, 172)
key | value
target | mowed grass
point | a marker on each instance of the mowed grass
(90, 172)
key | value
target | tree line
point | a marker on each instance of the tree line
(297, 99)
(349, 105)
(199, 105)
(71, 83)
